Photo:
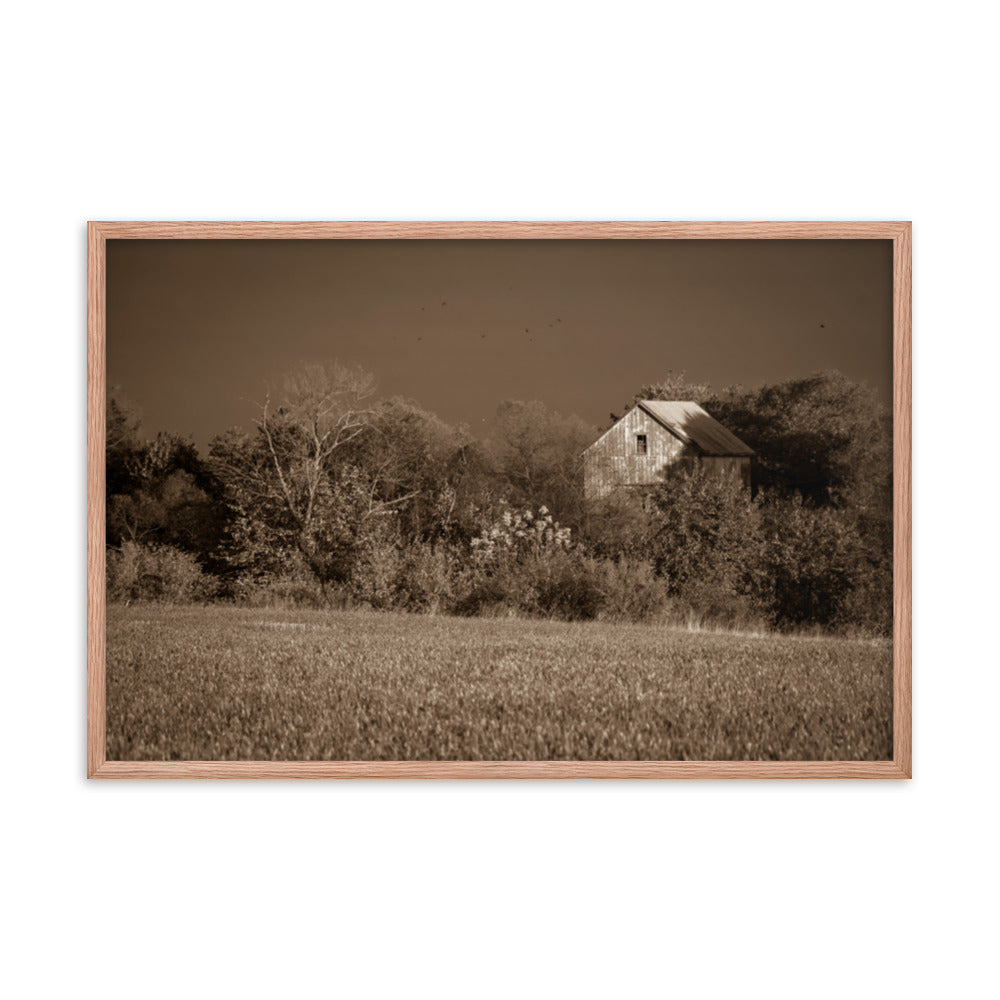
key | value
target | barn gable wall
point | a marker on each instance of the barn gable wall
(613, 460)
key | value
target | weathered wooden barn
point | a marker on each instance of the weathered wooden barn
(655, 436)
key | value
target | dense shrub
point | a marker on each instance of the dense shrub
(292, 590)
(288, 584)
(562, 584)
(812, 559)
(552, 584)
(427, 577)
(707, 533)
(479, 594)
(630, 589)
(707, 604)
(621, 525)
(728, 559)
(375, 572)
(867, 607)
(155, 573)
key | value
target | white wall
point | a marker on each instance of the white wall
(510, 111)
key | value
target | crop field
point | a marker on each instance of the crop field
(223, 683)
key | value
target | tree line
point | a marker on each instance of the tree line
(335, 498)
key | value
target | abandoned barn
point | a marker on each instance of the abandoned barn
(655, 436)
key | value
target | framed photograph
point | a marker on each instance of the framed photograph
(499, 499)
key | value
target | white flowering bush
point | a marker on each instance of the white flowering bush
(518, 533)
(526, 563)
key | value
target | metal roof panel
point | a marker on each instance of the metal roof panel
(693, 425)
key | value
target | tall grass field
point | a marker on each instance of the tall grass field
(225, 683)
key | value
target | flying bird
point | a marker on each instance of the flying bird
(444, 303)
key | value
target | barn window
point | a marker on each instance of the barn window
(640, 444)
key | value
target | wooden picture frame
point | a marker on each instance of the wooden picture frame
(100, 232)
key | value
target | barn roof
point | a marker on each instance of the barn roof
(688, 421)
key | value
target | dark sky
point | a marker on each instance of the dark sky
(196, 327)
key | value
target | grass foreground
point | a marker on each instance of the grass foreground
(228, 683)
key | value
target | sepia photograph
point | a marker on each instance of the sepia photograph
(570, 500)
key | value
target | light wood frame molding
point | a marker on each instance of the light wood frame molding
(98, 233)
